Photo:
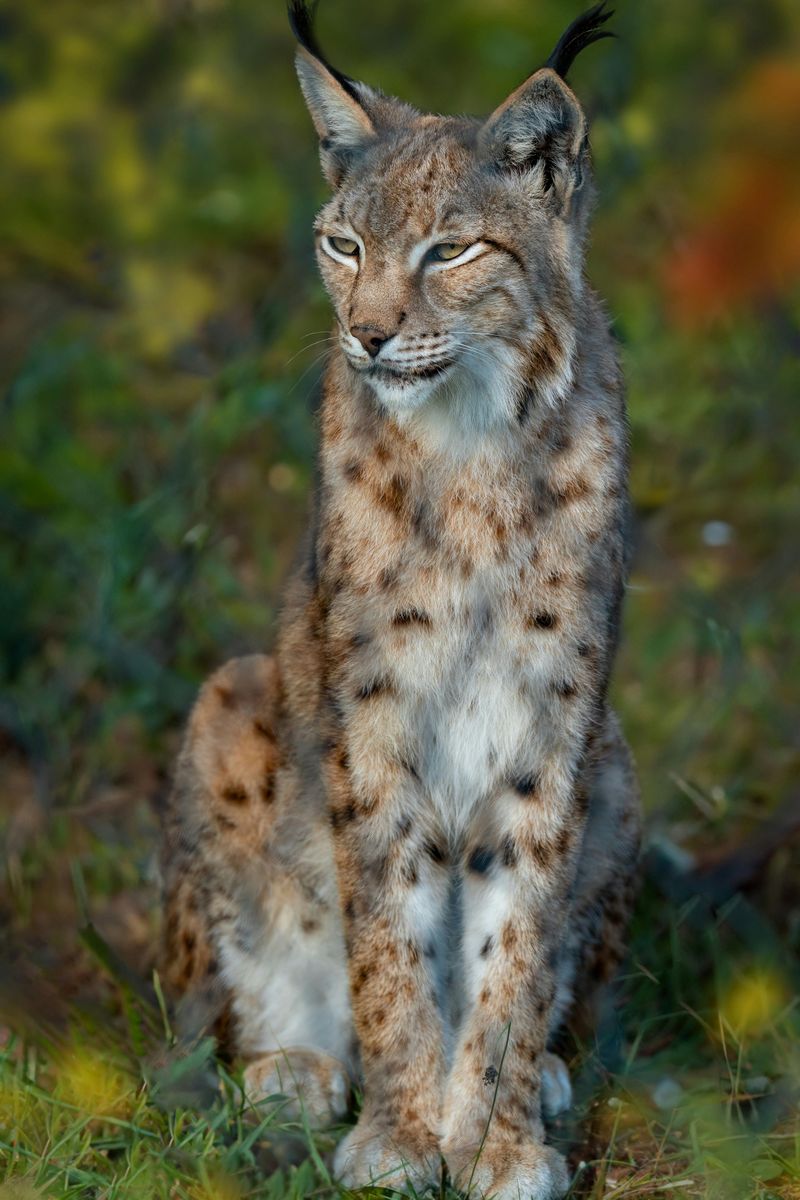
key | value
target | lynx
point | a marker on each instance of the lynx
(401, 849)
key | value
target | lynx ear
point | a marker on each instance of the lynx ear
(540, 128)
(333, 99)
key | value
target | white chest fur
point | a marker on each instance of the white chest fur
(470, 717)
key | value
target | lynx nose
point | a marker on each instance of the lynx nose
(371, 337)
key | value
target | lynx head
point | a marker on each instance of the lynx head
(452, 248)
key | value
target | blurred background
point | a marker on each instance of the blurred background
(160, 337)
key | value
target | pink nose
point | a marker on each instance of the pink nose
(371, 337)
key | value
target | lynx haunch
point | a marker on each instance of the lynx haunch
(401, 849)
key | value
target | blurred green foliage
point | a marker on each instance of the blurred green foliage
(161, 314)
(162, 336)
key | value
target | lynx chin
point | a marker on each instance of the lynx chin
(400, 850)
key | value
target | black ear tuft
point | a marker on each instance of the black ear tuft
(584, 30)
(302, 16)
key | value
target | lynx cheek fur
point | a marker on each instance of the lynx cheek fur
(403, 848)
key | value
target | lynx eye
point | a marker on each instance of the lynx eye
(446, 251)
(344, 245)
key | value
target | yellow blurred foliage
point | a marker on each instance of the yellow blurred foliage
(167, 301)
(128, 180)
(638, 125)
(206, 85)
(753, 1002)
(36, 126)
(30, 135)
(78, 66)
(217, 1186)
(92, 1084)
(616, 1116)
(19, 1189)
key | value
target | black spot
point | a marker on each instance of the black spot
(509, 853)
(388, 578)
(342, 816)
(412, 770)
(486, 948)
(527, 785)
(430, 950)
(436, 852)
(566, 689)
(411, 873)
(524, 405)
(490, 1076)
(375, 687)
(480, 860)
(360, 639)
(342, 758)
(411, 616)
(545, 620)
(235, 794)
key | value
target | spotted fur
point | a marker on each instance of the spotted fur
(402, 849)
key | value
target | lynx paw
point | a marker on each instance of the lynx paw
(556, 1087)
(370, 1155)
(513, 1172)
(316, 1084)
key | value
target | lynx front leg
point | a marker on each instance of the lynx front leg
(516, 890)
(393, 890)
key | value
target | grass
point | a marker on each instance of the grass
(690, 1085)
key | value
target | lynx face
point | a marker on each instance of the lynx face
(452, 248)
(435, 293)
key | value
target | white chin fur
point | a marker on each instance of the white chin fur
(403, 395)
(454, 409)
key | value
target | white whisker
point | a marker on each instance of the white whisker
(310, 346)
(319, 358)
